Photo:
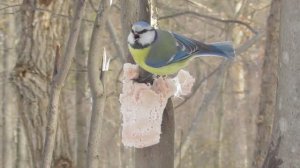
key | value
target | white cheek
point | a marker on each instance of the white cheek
(147, 38)
(130, 38)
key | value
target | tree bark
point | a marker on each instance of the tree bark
(22, 152)
(284, 150)
(268, 85)
(39, 31)
(10, 96)
(162, 154)
(82, 101)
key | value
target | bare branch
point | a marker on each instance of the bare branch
(198, 84)
(240, 49)
(198, 4)
(249, 43)
(45, 10)
(57, 84)
(97, 86)
(93, 6)
(10, 6)
(227, 21)
(116, 41)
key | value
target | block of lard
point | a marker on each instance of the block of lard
(142, 105)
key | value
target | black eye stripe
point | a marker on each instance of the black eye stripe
(143, 31)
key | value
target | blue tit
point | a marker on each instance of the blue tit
(162, 53)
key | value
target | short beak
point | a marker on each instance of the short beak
(136, 36)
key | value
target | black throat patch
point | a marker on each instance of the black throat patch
(138, 45)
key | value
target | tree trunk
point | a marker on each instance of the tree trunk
(22, 152)
(10, 96)
(82, 102)
(284, 150)
(162, 154)
(40, 33)
(268, 85)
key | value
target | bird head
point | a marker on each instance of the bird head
(142, 34)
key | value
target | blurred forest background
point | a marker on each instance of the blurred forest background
(226, 122)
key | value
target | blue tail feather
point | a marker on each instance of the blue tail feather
(223, 49)
(226, 49)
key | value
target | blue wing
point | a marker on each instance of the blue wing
(186, 47)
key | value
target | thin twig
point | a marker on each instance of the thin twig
(249, 43)
(93, 6)
(10, 6)
(115, 40)
(197, 86)
(209, 17)
(198, 4)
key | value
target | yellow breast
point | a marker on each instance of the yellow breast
(140, 55)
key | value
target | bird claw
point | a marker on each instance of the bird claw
(146, 79)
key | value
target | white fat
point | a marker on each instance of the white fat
(130, 38)
(147, 38)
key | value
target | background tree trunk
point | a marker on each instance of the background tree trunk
(284, 150)
(10, 96)
(267, 102)
(82, 101)
(40, 33)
